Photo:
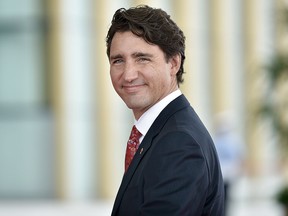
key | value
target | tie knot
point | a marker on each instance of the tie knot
(135, 134)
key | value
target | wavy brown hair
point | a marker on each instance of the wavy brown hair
(153, 25)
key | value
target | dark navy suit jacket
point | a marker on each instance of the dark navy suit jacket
(175, 170)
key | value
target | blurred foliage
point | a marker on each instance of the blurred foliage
(282, 196)
(275, 103)
(278, 67)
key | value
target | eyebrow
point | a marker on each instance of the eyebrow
(117, 56)
(141, 54)
(134, 55)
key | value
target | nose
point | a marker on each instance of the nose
(130, 72)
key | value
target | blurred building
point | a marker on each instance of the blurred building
(63, 129)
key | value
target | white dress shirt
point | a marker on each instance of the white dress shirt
(146, 120)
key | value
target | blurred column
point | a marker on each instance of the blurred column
(73, 98)
(227, 60)
(114, 119)
(259, 48)
(54, 67)
(281, 38)
(192, 18)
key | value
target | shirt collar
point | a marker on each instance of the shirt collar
(146, 120)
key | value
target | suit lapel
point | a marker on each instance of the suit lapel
(145, 145)
(177, 104)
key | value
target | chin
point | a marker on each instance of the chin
(135, 106)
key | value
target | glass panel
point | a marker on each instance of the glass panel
(26, 137)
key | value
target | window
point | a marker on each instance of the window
(26, 137)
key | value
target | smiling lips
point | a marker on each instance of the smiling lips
(132, 88)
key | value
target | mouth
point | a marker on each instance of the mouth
(132, 88)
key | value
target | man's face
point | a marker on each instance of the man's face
(140, 73)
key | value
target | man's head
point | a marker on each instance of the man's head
(155, 27)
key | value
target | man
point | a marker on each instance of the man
(175, 170)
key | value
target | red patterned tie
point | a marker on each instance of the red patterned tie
(132, 146)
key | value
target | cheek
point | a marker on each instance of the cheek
(163, 78)
(115, 77)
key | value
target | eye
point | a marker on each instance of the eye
(117, 61)
(143, 59)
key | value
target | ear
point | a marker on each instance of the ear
(175, 62)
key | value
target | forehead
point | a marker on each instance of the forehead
(127, 42)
